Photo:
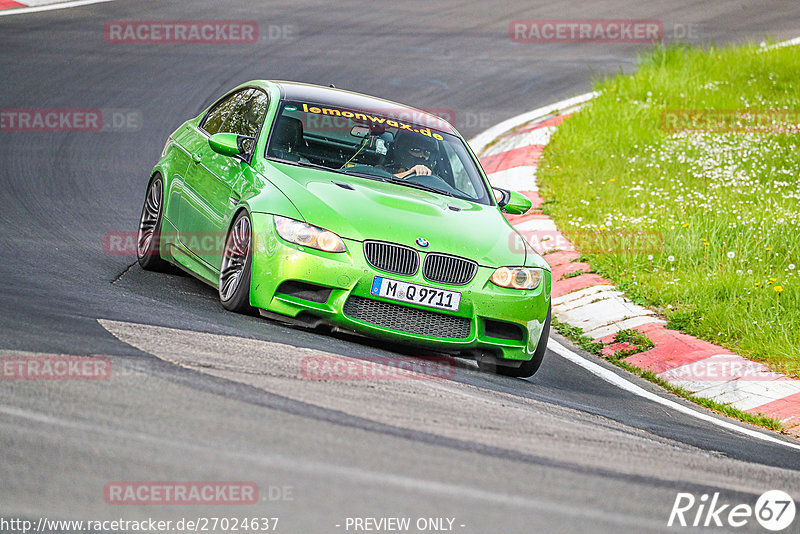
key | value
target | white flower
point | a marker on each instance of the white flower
(731, 254)
(650, 257)
(791, 266)
(671, 258)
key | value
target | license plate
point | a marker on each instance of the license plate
(415, 293)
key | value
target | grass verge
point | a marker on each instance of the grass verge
(681, 184)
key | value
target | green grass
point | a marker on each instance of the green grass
(572, 274)
(575, 334)
(702, 226)
(638, 341)
(642, 343)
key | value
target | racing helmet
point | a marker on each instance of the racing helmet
(414, 149)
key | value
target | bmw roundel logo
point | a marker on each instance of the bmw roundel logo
(422, 242)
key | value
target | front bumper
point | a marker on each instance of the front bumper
(486, 315)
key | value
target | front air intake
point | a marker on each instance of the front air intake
(406, 319)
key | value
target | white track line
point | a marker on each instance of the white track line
(790, 42)
(478, 144)
(622, 383)
(51, 7)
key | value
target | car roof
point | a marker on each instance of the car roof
(341, 98)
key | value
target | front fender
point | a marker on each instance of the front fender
(266, 197)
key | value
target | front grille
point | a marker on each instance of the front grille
(391, 258)
(448, 269)
(405, 319)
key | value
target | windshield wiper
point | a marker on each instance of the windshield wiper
(363, 175)
(330, 169)
(392, 180)
(301, 163)
(415, 185)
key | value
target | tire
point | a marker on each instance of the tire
(529, 368)
(237, 261)
(148, 238)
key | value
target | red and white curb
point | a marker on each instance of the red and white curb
(17, 7)
(509, 153)
(11, 4)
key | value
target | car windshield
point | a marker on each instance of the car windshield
(389, 147)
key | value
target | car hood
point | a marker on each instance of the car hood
(399, 214)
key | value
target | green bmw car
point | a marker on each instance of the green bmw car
(325, 207)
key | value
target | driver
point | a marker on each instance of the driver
(412, 154)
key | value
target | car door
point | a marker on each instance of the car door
(200, 185)
(208, 197)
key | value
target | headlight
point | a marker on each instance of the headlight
(517, 277)
(304, 234)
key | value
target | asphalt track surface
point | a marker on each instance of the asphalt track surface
(562, 452)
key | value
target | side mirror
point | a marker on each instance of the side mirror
(227, 144)
(511, 201)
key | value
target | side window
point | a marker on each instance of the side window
(461, 177)
(216, 117)
(247, 117)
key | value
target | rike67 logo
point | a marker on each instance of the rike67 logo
(774, 510)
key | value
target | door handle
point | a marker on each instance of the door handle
(196, 158)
